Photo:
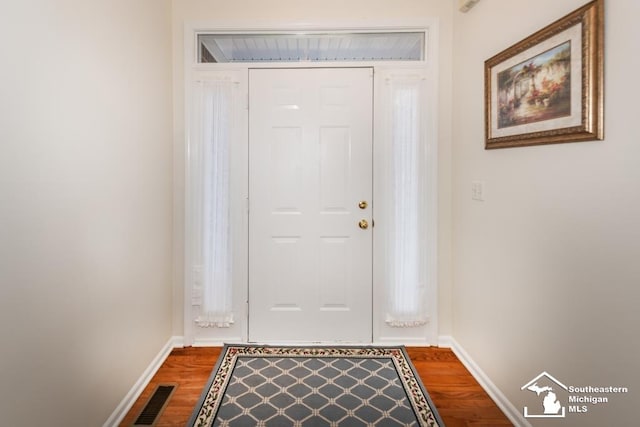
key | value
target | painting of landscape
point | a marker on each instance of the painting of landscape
(537, 89)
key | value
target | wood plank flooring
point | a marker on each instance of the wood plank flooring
(456, 394)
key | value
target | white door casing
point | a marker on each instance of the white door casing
(310, 164)
(386, 73)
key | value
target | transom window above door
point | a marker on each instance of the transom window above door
(311, 47)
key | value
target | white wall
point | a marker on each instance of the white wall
(546, 270)
(85, 205)
(327, 13)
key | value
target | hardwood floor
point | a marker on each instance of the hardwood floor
(456, 394)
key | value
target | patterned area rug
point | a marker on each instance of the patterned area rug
(312, 387)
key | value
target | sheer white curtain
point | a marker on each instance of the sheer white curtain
(405, 236)
(215, 239)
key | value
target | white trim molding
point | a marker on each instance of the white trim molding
(426, 334)
(492, 390)
(127, 403)
(444, 341)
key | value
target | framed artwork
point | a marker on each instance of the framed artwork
(548, 88)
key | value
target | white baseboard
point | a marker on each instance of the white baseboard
(216, 342)
(125, 405)
(514, 415)
(417, 342)
(444, 341)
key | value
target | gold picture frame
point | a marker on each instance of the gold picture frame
(548, 88)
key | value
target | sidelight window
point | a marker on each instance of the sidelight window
(405, 209)
(211, 201)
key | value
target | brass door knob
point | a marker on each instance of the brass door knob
(363, 224)
(363, 204)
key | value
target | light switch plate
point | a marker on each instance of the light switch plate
(477, 191)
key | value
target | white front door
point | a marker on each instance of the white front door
(310, 166)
